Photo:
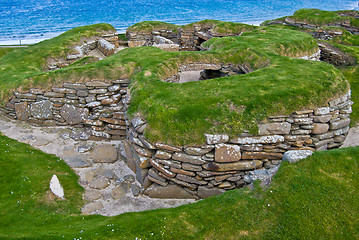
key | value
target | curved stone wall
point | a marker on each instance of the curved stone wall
(226, 163)
(97, 111)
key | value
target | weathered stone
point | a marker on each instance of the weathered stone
(92, 195)
(117, 132)
(252, 148)
(73, 115)
(216, 138)
(93, 104)
(320, 128)
(261, 174)
(108, 101)
(25, 96)
(80, 134)
(322, 111)
(96, 123)
(119, 192)
(114, 88)
(42, 110)
(137, 122)
(169, 163)
(322, 143)
(63, 90)
(296, 137)
(76, 86)
(324, 135)
(160, 168)
(300, 132)
(91, 207)
(113, 121)
(340, 124)
(146, 143)
(296, 155)
(108, 173)
(154, 177)
(144, 162)
(204, 192)
(168, 147)
(341, 131)
(190, 167)
(227, 153)
(225, 185)
(339, 139)
(97, 84)
(258, 140)
(98, 91)
(116, 127)
(163, 155)
(99, 182)
(241, 166)
(196, 160)
(274, 128)
(104, 153)
(305, 121)
(198, 151)
(21, 110)
(122, 81)
(188, 179)
(261, 155)
(54, 95)
(119, 115)
(184, 172)
(170, 191)
(136, 190)
(143, 151)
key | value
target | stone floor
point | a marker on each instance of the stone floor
(110, 186)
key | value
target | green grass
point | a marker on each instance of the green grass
(5, 50)
(314, 199)
(149, 26)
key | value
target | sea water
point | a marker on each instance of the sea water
(30, 21)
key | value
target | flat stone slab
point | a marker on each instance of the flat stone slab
(296, 155)
(104, 153)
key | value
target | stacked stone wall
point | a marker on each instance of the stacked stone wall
(225, 163)
(105, 47)
(97, 108)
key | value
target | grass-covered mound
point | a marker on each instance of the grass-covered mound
(182, 113)
(21, 66)
(313, 199)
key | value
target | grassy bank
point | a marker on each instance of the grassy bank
(313, 199)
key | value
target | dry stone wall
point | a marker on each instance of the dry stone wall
(97, 111)
(225, 163)
(96, 108)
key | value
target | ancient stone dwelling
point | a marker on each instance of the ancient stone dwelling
(97, 111)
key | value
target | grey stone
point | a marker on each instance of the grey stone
(296, 155)
(129, 178)
(104, 153)
(189, 179)
(196, 160)
(261, 174)
(198, 151)
(204, 192)
(99, 182)
(80, 134)
(191, 167)
(41, 110)
(136, 190)
(322, 111)
(21, 110)
(258, 140)
(216, 138)
(107, 173)
(73, 115)
(163, 155)
(227, 153)
(92, 195)
(97, 84)
(236, 166)
(119, 192)
(91, 207)
(168, 192)
(340, 124)
(77, 162)
(274, 128)
(320, 128)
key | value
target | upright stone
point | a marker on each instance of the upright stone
(41, 110)
(21, 110)
(227, 153)
(73, 115)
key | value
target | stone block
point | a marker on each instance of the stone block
(198, 151)
(237, 166)
(227, 153)
(73, 115)
(183, 172)
(42, 110)
(168, 192)
(21, 110)
(261, 155)
(189, 179)
(216, 138)
(322, 111)
(191, 167)
(160, 168)
(196, 160)
(104, 153)
(205, 192)
(274, 128)
(143, 151)
(258, 140)
(296, 155)
(163, 155)
(320, 128)
(340, 124)
(168, 147)
(97, 84)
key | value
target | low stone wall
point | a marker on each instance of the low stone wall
(96, 108)
(226, 163)
(105, 47)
